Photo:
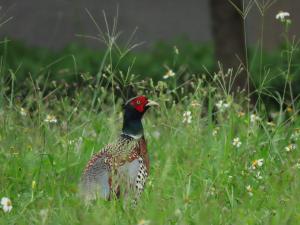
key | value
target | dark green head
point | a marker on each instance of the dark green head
(134, 110)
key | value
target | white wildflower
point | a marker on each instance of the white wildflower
(144, 222)
(71, 142)
(78, 144)
(6, 204)
(23, 112)
(274, 115)
(215, 131)
(282, 16)
(211, 191)
(295, 136)
(187, 117)
(178, 212)
(258, 176)
(236, 142)
(44, 215)
(216, 76)
(249, 190)
(241, 114)
(257, 163)
(156, 134)
(50, 119)
(254, 118)
(222, 106)
(176, 51)
(290, 147)
(297, 165)
(169, 74)
(195, 103)
(271, 124)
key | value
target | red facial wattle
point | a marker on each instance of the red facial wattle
(139, 103)
(140, 108)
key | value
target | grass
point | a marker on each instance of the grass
(74, 61)
(233, 164)
(196, 177)
(60, 64)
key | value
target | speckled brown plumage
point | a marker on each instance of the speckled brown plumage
(113, 156)
(122, 166)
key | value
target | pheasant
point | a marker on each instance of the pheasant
(121, 166)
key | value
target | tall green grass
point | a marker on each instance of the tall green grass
(233, 164)
(197, 175)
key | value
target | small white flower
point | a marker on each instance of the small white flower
(295, 136)
(187, 117)
(176, 51)
(169, 74)
(215, 77)
(282, 16)
(195, 103)
(50, 119)
(144, 222)
(211, 191)
(297, 165)
(249, 190)
(178, 212)
(44, 215)
(258, 176)
(257, 163)
(156, 134)
(6, 204)
(254, 118)
(78, 144)
(290, 147)
(236, 142)
(23, 112)
(71, 142)
(271, 124)
(215, 131)
(222, 106)
(240, 114)
(226, 105)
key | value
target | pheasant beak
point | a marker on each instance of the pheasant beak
(152, 103)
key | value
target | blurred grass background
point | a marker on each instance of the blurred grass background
(68, 65)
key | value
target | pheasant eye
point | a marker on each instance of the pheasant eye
(138, 102)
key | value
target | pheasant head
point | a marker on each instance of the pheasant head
(134, 110)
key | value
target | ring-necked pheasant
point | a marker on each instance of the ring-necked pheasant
(123, 165)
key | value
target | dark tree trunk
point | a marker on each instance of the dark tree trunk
(228, 34)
